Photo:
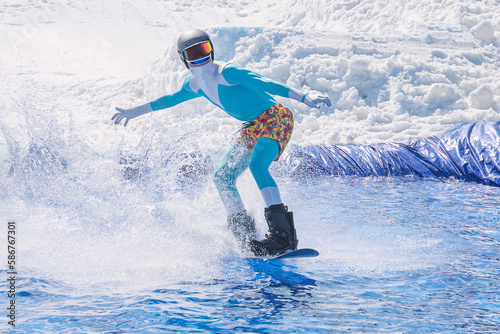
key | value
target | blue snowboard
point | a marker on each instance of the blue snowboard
(301, 252)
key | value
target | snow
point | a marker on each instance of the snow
(484, 32)
(483, 97)
(392, 70)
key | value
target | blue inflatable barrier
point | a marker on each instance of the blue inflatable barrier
(469, 152)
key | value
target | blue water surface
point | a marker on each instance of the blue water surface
(397, 255)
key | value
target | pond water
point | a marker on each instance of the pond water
(396, 255)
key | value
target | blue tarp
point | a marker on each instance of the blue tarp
(469, 152)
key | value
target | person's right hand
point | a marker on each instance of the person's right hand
(128, 114)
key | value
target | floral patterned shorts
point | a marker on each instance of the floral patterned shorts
(275, 123)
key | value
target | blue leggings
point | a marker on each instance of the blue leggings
(236, 160)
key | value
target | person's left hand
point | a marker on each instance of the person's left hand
(315, 101)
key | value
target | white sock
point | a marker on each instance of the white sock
(271, 196)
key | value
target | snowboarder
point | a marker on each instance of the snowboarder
(266, 130)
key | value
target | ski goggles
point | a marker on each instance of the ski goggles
(197, 52)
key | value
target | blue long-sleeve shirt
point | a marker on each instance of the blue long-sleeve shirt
(241, 93)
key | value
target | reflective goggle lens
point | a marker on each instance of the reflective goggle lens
(197, 51)
(199, 61)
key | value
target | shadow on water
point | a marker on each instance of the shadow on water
(255, 294)
(280, 273)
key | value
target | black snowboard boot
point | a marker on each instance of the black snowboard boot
(243, 228)
(281, 237)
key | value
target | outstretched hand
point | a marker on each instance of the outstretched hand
(315, 101)
(128, 114)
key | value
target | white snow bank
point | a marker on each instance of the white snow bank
(392, 70)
